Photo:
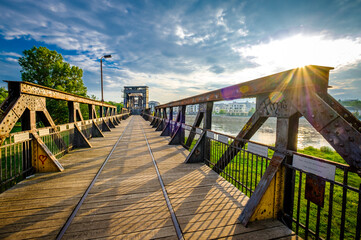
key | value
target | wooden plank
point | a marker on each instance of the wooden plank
(127, 201)
(42, 204)
(205, 204)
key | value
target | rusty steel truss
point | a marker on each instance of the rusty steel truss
(26, 101)
(286, 96)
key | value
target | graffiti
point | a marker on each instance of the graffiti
(42, 158)
(275, 108)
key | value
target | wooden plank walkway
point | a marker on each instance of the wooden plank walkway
(126, 201)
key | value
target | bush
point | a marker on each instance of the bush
(326, 149)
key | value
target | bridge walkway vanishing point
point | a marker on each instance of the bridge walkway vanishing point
(126, 200)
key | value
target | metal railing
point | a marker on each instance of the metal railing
(16, 152)
(339, 215)
(15, 164)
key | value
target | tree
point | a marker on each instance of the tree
(222, 111)
(118, 105)
(3, 94)
(250, 113)
(47, 68)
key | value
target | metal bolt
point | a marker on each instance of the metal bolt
(336, 125)
(330, 140)
(341, 145)
(351, 139)
(313, 116)
(345, 116)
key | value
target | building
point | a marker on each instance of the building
(233, 108)
(152, 105)
(192, 109)
(136, 98)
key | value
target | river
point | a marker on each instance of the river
(307, 135)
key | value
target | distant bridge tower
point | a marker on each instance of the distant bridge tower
(136, 98)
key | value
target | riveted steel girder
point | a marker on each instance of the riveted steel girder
(41, 91)
(311, 76)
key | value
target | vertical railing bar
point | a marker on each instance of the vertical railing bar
(10, 162)
(20, 157)
(239, 168)
(255, 182)
(222, 166)
(244, 152)
(307, 219)
(1, 165)
(330, 205)
(247, 173)
(250, 185)
(344, 200)
(28, 155)
(318, 222)
(358, 226)
(293, 196)
(6, 162)
(232, 168)
(299, 202)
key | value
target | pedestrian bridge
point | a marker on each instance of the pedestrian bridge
(133, 177)
(126, 199)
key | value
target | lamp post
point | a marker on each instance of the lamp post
(101, 72)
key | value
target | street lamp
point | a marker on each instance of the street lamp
(101, 71)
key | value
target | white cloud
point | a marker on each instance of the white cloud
(300, 50)
(11, 59)
(12, 54)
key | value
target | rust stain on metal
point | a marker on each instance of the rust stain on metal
(315, 189)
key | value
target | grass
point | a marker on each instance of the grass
(249, 172)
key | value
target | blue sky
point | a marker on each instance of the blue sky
(183, 48)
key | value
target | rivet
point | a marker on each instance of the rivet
(313, 116)
(341, 145)
(351, 139)
(330, 140)
(345, 116)
(336, 125)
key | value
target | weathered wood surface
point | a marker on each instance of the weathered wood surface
(126, 202)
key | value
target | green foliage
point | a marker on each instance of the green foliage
(222, 111)
(351, 103)
(118, 105)
(326, 149)
(47, 68)
(250, 113)
(356, 114)
(3, 94)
